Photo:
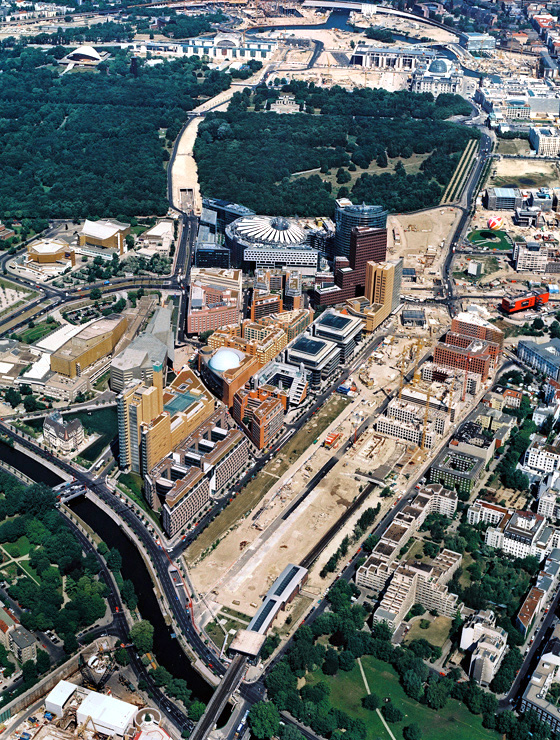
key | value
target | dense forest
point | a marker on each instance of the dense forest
(250, 158)
(176, 27)
(91, 144)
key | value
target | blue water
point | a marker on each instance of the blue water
(339, 19)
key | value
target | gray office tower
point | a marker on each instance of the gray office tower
(347, 216)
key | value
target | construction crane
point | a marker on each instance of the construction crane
(466, 376)
(83, 727)
(419, 348)
(425, 425)
(402, 366)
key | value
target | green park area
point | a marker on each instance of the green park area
(370, 145)
(347, 689)
(258, 486)
(488, 239)
(435, 631)
(35, 332)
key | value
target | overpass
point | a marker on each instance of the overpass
(220, 697)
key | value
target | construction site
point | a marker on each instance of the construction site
(421, 240)
(91, 697)
(305, 504)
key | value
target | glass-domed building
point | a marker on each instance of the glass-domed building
(441, 75)
(270, 242)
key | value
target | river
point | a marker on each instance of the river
(339, 19)
(169, 654)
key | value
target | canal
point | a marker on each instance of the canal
(169, 654)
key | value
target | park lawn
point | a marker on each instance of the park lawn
(133, 484)
(465, 579)
(347, 690)
(216, 634)
(102, 383)
(306, 436)
(21, 546)
(490, 239)
(37, 332)
(411, 164)
(26, 568)
(517, 147)
(437, 633)
(256, 489)
(101, 421)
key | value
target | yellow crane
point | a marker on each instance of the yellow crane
(419, 348)
(402, 367)
(425, 425)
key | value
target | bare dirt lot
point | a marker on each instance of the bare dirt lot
(526, 173)
(421, 240)
(254, 491)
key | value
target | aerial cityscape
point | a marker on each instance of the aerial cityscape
(279, 370)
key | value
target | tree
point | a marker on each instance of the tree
(70, 643)
(129, 239)
(161, 676)
(437, 693)
(330, 666)
(204, 335)
(121, 656)
(103, 549)
(555, 330)
(31, 404)
(114, 560)
(29, 671)
(346, 661)
(371, 701)
(264, 720)
(392, 713)
(142, 635)
(43, 662)
(26, 389)
(412, 732)
(12, 397)
(270, 645)
(95, 294)
(343, 176)
(413, 685)
(196, 710)
(538, 323)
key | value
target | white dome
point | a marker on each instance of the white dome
(225, 359)
(86, 51)
(277, 231)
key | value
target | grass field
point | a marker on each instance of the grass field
(453, 722)
(490, 239)
(256, 489)
(36, 333)
(509, 329)
(133, 484)
(437, 633)
(411, 165)
(517, 147)
(20, 547)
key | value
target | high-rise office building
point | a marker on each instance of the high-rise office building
(153, 421)
(138, 404)
(383, 283)
(348, 215)
(366, 244)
